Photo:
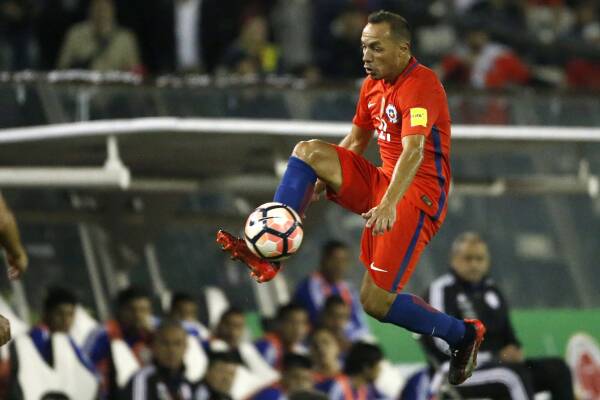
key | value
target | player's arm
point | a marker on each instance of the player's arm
(10, 240)
(357, 140)
(382, 217)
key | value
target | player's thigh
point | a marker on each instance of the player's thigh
(394, 255)
(360, 184)
(323, 158)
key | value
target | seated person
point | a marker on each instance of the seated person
(329, 280)
(297, 376)
(184, 309)
(133, 326)
(334, 317)
(218, 381)
(57, 317)
(288, 336)
(467, 291)
(164, 377)
(325, 354)
(361, 369)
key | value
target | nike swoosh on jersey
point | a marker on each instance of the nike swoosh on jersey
(370, 105)
(374, 268)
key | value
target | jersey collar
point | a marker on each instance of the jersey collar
(410, 67)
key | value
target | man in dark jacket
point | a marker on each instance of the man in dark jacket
(467, 291)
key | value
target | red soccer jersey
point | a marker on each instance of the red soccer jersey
(415, 104)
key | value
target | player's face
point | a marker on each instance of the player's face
(231, 329)
(297, 378)
(186, 311)
(294, 328)
(60, 319)
(335, 265)
(220, 375)
(324, 346)
(471, 261)
(137, 314)
(337, 317)
(384, 56)
(169, 346)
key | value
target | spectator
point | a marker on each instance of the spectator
(99, 43)
(185, 310)
(291, 330)
(340, 58)
(468, 292)
(252, 53)
(292, 21)
(329, 280)
(16, 17)
(133, 326)
(57, 317)
(53, 20)
(335, 317)
(218, 381)
(325, 354)
(583, 73)
(297, 377)
(361, 369)
(229, 336)
(164, 378)
(484, 64)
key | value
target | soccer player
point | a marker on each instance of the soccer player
(403, 201)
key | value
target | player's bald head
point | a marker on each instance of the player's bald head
(399, 28)
(466, 238)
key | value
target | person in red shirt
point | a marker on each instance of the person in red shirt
(403, 202)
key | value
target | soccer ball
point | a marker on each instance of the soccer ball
(273, 231)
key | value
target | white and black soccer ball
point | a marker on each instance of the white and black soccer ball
(274, 231)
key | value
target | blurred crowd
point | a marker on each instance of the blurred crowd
(479, 43)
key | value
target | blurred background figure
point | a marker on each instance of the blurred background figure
(291, 328)
(132, 330)
(325, 354)
(218, 381)
(297, 376)
(99, 43)
(164, 377)
(252, 54)
(16, 18)
(185, 309)
(331, 279)
(361, 368)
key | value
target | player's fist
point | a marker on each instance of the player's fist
(17, 263)
(4, 330)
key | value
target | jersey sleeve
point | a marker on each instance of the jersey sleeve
(362, 117)
(420, 105)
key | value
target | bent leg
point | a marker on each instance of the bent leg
(410, 312)
(310, 159)
(552, 374)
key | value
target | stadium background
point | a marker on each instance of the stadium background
(535, 201)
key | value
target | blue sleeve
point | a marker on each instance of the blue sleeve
(303, 298)
(82, 357)
(97, 346)
(266, 350)
(267, 394)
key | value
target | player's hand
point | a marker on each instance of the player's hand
(4, 330)
(319, 190)
(380, 218)
(17, 263)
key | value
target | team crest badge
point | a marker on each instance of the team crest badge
(392, 114)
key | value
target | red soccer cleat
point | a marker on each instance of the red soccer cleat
(464, 358)
(261, 270)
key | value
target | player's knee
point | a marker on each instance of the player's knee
(375, 304)
(309, 151)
